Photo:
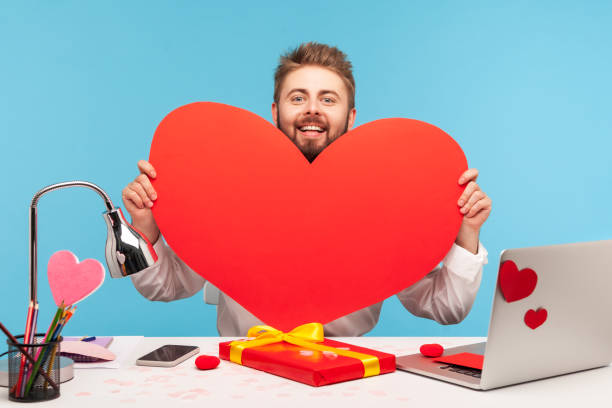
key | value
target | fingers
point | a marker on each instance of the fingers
(146, 185)
(131, 198)
(473, 198)
(139, 189)
(479, 206)
(147, 168)
(140, 192)
(467, 193)
(468, 175)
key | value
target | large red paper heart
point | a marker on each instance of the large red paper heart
(70, 280)
(535, 318)
(514, 284)
(293, 241)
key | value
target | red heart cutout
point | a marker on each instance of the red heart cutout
(293, 241)
(535, 318)
(515, 284)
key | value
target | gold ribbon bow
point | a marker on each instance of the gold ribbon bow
(307, 336)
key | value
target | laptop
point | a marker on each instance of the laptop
(570, 319)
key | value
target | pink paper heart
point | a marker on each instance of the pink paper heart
(70, 280)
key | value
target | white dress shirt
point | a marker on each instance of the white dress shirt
(445, 294)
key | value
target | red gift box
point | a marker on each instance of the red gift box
(312, 362)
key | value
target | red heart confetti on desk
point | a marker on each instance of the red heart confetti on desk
(293, 241)
(431, 350)
(516, 284)
(535, 318)
(70, 280)
(204, 362)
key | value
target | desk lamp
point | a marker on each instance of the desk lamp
(127, 250)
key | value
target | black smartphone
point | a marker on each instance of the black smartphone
(168, 355)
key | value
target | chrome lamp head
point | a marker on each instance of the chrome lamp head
(127, 250)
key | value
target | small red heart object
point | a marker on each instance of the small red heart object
(514, 284)
(432, 350)
(535, 318)
(205, 362)
(293, 241)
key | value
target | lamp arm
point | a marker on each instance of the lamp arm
(75, 183)
(33, 223)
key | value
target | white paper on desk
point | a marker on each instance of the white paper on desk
(122, 346)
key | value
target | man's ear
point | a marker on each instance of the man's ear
(351, 118)
(275, 113)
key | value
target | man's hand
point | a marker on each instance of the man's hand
(475, 206)
(138, 199)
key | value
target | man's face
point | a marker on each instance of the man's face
(313, 109)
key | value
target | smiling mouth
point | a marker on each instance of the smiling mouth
(311, 131)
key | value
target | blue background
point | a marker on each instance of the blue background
(524, 87)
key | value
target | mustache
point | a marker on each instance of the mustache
(311, 120)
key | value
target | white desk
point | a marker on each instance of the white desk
(232, 385)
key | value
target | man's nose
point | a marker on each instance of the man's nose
(312, 107)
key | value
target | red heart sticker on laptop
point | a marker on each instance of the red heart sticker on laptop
(293, 241)
(514, 284)
(535, 318)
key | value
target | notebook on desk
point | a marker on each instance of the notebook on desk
(550, 316)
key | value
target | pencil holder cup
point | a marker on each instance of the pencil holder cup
(30, 382)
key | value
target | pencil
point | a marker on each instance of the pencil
(44, 352)
(50, 365)
(51, 328)
(18, 385)
(27, 355)
(66, 316)
(28, 367)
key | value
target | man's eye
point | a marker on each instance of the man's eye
(328, 100)
(297, 99)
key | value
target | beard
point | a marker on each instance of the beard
(311, 148)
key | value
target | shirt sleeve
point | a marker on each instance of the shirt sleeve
(447, 293)
(169, 278)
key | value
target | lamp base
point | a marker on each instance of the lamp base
(66, 371)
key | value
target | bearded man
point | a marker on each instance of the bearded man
(314, 104)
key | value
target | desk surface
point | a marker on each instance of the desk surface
(233, 385)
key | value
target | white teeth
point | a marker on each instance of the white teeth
(305, 128)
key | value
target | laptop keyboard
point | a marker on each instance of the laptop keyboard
(471, 372)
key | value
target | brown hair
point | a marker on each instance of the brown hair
(312, 53)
